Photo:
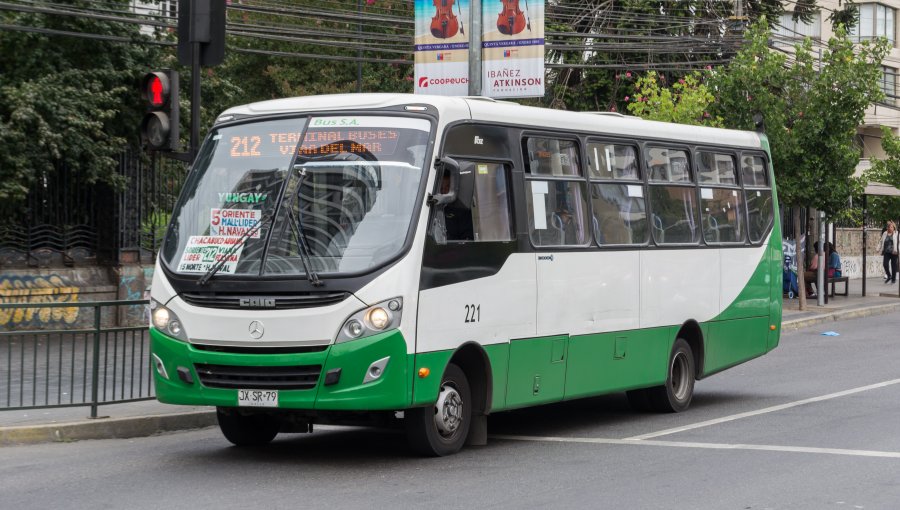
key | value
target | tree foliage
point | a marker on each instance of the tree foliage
(686, 101)
(66, 100)
(811, 111)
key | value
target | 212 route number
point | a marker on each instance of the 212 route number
(473, 313)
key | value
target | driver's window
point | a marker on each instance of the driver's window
(481, 210)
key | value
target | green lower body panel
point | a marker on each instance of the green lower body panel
(390, 391)
(735, 341)
(618, 361)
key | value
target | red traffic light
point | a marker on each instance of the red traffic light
(159, 129)
(155, 89)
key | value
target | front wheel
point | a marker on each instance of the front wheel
(247, 430)
(441, 429)
(675, 396)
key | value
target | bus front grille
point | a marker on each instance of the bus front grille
(302, 377)
(268, 302)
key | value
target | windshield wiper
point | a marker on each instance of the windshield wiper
(233, 248)
(302, 245)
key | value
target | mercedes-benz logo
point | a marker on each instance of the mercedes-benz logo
(256, 330)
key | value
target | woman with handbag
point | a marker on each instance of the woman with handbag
(889, 244)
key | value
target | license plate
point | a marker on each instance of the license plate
(258, 398)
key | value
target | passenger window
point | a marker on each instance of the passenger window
(481, 210)
(557, 212)
(753, 172)
(668, 165)
(722, 215)
(674, 218)
(713, 168)
(760, 212)
(620, 214)
(609, 161)
(552, 157)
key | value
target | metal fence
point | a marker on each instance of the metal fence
(75, 367)
(67, 220)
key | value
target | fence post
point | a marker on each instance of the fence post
(95, 365)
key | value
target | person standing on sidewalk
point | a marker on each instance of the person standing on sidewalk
(889, 244)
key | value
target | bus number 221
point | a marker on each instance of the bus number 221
(473, 313)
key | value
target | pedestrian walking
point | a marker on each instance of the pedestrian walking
(889, 244)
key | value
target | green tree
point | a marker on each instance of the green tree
(68, 100)
(811, 113)
(687, 101)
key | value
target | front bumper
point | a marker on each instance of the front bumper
(392, 390)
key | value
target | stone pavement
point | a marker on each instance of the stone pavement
(145, 418)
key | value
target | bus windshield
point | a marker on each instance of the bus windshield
(340, 188)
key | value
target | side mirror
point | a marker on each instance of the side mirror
(446, 168)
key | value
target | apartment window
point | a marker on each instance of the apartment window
(889, 85)
(799, 29)
(875, 20)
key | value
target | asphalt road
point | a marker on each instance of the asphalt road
(813, 425)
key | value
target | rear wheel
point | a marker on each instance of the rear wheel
(441, 429)
(247, 430)
(675, 396)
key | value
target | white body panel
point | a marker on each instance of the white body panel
(587, 292)
(507, 301)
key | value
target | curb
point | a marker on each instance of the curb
(106, 428)
(838, 315)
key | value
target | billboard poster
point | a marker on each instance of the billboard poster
(513, 48)
(442, 47)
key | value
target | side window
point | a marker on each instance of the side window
(673, 198)
(722, 215)
(721, 202)
(555, 195)
(610, 161)
(760, 209)
(713, 168)
(481, 210)
(617, 195)
(669, 165)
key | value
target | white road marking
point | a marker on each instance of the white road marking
(764, 411)
(711, 446)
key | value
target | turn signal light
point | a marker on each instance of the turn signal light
(423, 372)
(772, 327)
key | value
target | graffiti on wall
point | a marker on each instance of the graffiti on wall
(37, 289)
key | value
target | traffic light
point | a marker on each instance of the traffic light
(159, 129)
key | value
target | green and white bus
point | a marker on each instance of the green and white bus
(426, 261)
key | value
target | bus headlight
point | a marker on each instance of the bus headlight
(374, 319)
(166, 321)
(378, 318)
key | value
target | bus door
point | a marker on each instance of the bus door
(475, 287)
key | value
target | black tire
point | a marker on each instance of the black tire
(425, 436)
(247, 430)
(675, 396)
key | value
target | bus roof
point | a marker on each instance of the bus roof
(506, 112)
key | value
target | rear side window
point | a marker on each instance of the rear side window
(758, 197)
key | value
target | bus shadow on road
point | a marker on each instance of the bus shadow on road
(604, 416)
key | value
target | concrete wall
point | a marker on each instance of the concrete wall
(72, 285)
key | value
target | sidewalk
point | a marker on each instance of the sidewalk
(145, 418)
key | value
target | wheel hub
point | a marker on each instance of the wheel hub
(680, 375)
(448, 411)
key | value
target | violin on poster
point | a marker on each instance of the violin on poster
(445, 24)
(512, 20)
